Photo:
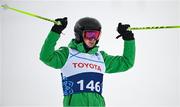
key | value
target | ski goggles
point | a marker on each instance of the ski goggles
(91, 34)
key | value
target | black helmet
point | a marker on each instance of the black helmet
(86, 23)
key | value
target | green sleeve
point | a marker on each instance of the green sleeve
(120, 63)
(50, 56)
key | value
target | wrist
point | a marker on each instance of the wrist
(128, 38)
(54, 34)
(56, 30)
(128, 35)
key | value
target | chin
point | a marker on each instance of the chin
(91, 46)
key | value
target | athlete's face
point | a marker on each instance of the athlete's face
(90, 42)
(90, 37)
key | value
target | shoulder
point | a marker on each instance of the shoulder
(104, 54)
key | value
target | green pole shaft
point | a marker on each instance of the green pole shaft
(31, 14)
(59, 23)
(152, 27)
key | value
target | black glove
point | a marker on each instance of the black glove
(59, 28)
(126, 34)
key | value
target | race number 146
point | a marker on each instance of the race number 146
(91, 85)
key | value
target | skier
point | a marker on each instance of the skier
(82, 65)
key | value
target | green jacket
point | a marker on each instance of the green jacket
(57, 59)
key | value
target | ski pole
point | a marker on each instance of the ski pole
(30, 14)
(59, 23)
(152, 27)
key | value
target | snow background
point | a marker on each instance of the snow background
(152, 82)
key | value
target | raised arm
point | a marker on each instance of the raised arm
(48, 54)
(121, 63)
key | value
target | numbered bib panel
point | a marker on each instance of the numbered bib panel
(83, 73)
(84, 82)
